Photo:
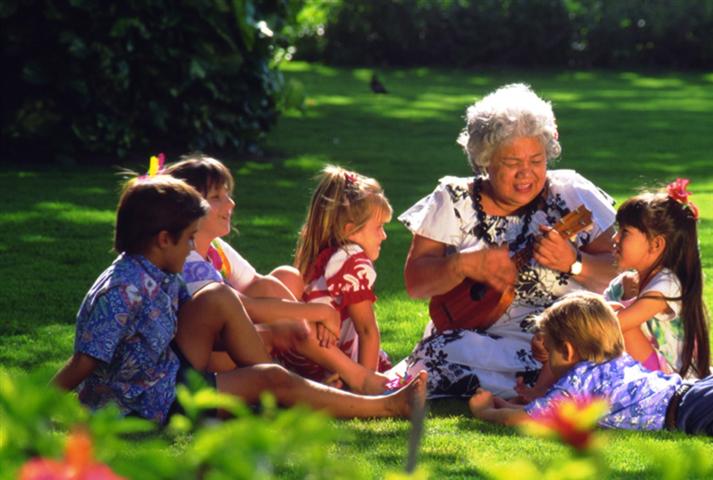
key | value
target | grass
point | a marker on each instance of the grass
(623, 130)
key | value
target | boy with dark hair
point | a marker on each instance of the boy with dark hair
(124, 350)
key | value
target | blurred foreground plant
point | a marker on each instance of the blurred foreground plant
(35, 421)
(572, 421)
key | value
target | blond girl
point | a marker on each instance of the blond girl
(338, 243)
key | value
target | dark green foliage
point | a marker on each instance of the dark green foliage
(600, 33)
(108, 78)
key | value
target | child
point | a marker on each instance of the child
(338, 243)
(658, 297)
(586, 354)
(124, 346)
(215, 182)
(214, 260)
(661, 313)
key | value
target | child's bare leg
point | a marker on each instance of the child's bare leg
(359, 378)
(215, 319)
(283, 282)
(291, 389)
(291, 278)
(637, 345)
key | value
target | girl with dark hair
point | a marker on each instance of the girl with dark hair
(660, 300)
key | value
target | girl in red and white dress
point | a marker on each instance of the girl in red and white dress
(338, 243)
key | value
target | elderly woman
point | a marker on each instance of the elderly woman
(469, 228)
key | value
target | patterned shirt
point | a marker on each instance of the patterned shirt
(223, 265)
(638, 398)
(127, 321)
(665, 329)
(340, 277)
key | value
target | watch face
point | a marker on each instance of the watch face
(576, 268)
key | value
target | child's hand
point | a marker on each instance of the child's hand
(630, 283)
(525, 394)
(538, 348)
(329, 318)
(325, 337)
(481, 400)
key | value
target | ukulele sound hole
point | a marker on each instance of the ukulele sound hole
(477, 291)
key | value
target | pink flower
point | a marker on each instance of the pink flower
(77, 463)
(677, 190)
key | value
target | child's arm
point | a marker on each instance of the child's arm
(482, 406)
(268, 310)
(362, 314)
(643, 309)
(545, 379)
(77, 368)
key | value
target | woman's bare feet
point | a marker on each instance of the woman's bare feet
(409, 398)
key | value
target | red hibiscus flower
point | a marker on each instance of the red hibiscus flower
(677, 190)
(77, 464)
(571, 420)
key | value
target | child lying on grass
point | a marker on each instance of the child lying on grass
(586, 353)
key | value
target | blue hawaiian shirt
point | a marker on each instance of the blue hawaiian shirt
(638, 398)
(127, 321)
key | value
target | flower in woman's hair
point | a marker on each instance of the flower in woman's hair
(571, 420)
(678, 191)
(77, 464)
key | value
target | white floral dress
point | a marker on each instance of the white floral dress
(459, 361)
(665, 330)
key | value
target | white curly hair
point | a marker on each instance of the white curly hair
(510, 111)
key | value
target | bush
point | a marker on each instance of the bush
(109, 78)
(590, 33)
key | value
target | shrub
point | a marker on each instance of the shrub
(109, 78)
(590, 33)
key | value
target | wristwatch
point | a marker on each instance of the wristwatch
(576, 268)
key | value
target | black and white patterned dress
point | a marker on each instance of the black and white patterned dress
(459, 361)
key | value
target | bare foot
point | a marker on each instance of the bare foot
(374, 384)
(410, 398)
(480, 400)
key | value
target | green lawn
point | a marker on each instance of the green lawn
(623, 130)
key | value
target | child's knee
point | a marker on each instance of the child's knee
(216, 296)
(291, 278)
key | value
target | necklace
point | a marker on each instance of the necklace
(483, 227)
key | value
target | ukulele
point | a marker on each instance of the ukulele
(476, 305)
